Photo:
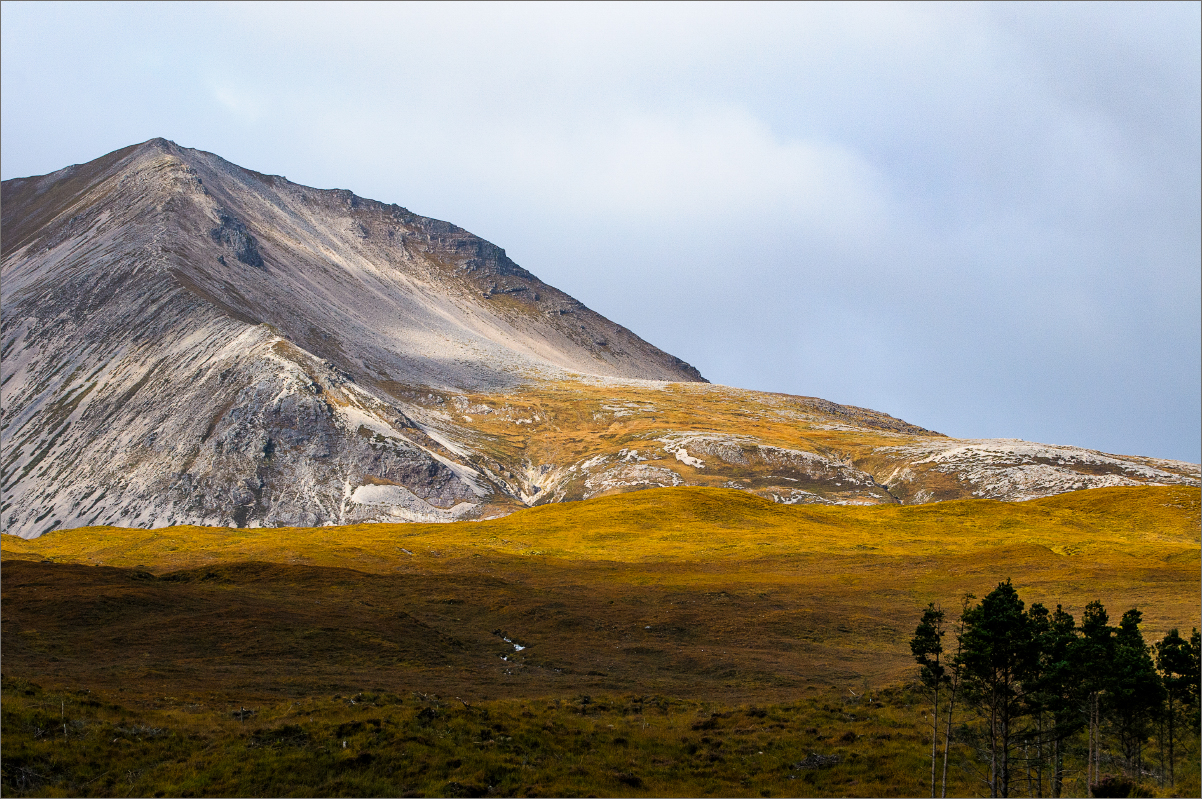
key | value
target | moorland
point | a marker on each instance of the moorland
(678, 641)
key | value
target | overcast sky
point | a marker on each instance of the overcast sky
(983, 219)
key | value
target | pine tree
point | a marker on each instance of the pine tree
(957, 663)
(1091, 657)
(1195, 677)
(997, 650)
(1037, 696)
(1173, 658)
(927, 646)
(1134, 691)
(1059, 687)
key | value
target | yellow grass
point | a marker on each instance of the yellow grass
(687, 524)
(1129, 547)
(701, 594)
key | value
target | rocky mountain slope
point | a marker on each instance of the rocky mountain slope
(187, 341)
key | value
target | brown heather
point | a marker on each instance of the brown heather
(670, 636)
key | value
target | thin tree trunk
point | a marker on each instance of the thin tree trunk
(934, 738)
(1004, 777)
(1172, 778)
(947, 737)
(1093, 744)
(1027, 764)
(1160, 749)
(1097, 741)
(993, 751)
(1039, 755)
(951, 703)
(1057, 766)
(1089, 752)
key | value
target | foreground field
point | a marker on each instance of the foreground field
(382, 744)
(693, 601)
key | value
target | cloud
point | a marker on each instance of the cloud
(983, 218)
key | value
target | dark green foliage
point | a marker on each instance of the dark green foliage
(1037, 682)
(997, 653)
(1194, 678)
(1174, 659)
(1055, 695)
(927, 648)
(1134, 692)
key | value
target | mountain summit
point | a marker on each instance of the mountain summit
(188, 341)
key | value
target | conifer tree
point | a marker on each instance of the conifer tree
(1134, 691)
(927, 647)
(1195, 677)
(1059, 687)
(1173, 659)
(997, 650)
(1091, 657)
(954, 683)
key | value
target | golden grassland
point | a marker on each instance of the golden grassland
(382, 744)
(568, 422)
(684, 524)
(797, 573)
(708, 600)
(558, 424)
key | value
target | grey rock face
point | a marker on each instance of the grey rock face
(232, 234)
(185, 341)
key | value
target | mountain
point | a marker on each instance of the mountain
(188, 341)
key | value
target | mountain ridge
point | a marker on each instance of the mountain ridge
(188, 341)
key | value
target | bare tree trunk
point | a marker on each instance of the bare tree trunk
(993, 752)
(1093, 744)
(1172, 777)
(1097, 741)
(1057, 767)
(1004, 777)
(951, 703)
(947, 736)
(1027, 764)
(934, 739)
(1089, 752)
(1039, 755)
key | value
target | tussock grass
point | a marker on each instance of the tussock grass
(376, 743)
(698, 600)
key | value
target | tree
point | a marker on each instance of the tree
(1037, 696)
(1174, 660)
(1057, 686)
(956, 670)
(927, 646)
(1134, 691)
(997, 652)
(1195, 676)
(1091, 656)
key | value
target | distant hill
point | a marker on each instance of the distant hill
(188, 342)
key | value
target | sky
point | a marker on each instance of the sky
(982, 219)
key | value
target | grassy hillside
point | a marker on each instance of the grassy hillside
(657, 612)
(384, 744)
(648, 585)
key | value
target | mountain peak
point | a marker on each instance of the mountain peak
(188, 341)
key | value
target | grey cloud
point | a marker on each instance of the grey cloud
(981, 218)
